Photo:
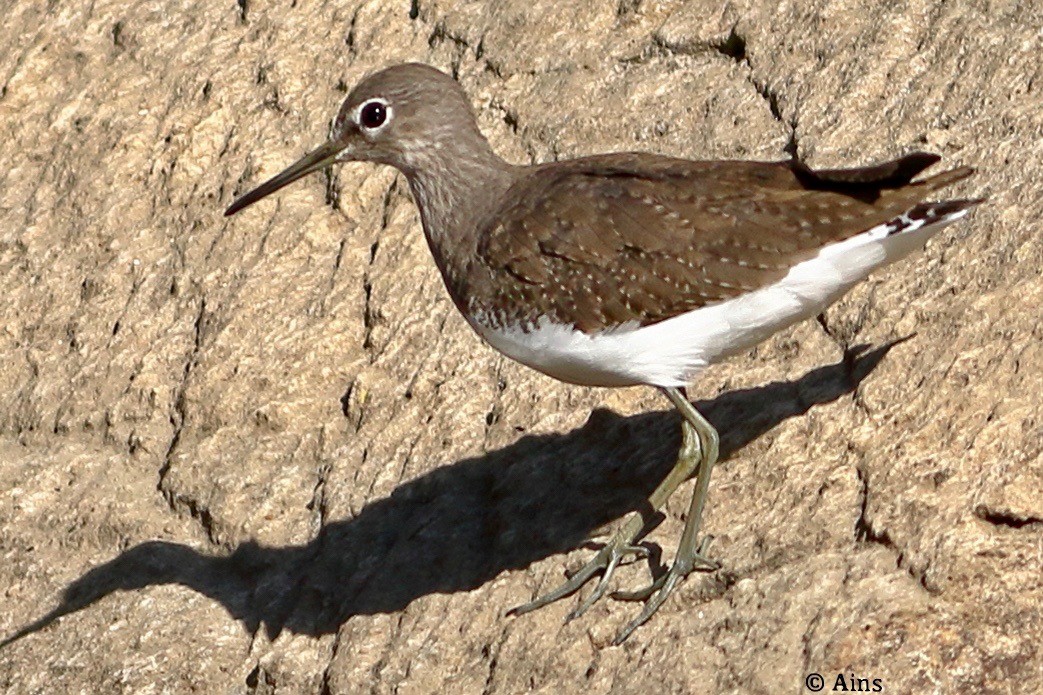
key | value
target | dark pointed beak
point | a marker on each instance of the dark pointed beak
(313, 161)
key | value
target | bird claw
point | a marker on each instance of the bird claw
(655, 594)
(682, 567)
(606, 561)
(627, 554)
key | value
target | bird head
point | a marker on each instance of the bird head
(408, 116)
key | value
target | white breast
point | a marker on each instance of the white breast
(674, 351)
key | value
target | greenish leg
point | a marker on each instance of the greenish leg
(696, 445)
(690, 554)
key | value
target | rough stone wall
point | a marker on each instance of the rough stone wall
(266, 455)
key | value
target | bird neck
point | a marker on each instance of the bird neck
(455, 187)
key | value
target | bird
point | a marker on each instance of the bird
(626, 269)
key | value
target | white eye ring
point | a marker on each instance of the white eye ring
(373, 115)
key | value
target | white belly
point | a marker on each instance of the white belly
(674, 351)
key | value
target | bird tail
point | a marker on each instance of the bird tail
(936, 214)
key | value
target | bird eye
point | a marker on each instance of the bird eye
(373, 115)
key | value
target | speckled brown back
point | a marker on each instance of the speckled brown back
(600, 241)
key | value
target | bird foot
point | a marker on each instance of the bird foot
(605, 562)
(655, 594)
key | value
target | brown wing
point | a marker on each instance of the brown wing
(604, 240)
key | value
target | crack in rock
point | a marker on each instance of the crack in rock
(178, 418)
(734, 48)
(1006, 517)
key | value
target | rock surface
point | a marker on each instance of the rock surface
(266, 455)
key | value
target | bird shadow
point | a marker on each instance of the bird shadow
(460, 525)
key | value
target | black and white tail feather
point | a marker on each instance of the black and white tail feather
(926, 214)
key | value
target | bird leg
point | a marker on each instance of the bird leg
(698, 443)
(690, 554)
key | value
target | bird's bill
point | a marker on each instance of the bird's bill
(313, 161)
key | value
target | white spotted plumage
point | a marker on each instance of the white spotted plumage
(674, 351)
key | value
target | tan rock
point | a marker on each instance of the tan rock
(266, 455)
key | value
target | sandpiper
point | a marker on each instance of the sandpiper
(629, 268)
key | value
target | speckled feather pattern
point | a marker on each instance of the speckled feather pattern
(673, 351)
(605, 241)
